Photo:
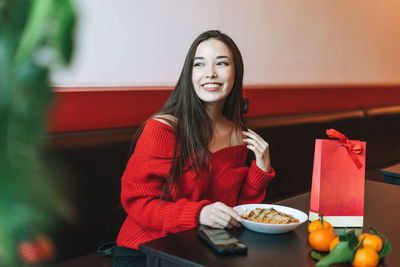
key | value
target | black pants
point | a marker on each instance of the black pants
(126, 257)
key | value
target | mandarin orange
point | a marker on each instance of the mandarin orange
(321, 238)
(372, 241)
(316, 224)
(366, 257)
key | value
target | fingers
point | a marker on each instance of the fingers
(218, 215)
(228, 211)
(260, 148)
(225, 216)
(255, 139)
(254, 146)
(224, 223)
(255, 142)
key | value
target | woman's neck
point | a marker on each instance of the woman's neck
(224, 131)
(214, 111)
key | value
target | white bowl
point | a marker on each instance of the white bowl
(271, 228)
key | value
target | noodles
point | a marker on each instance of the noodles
(270, 216)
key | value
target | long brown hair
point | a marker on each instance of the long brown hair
(192, 125)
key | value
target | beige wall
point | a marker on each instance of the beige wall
(142, 43)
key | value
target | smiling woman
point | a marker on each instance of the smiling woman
(188, 166)
(213, 71)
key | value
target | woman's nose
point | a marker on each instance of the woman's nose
(211, 73)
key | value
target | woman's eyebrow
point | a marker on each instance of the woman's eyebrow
(224, 57)
(219, 57)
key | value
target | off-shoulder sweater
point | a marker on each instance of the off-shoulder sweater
(229, 181)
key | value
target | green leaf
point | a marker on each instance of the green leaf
(340, 253)
(350, 237)
(12, 21)
(316, 255)
(386, 248)
(33, 32)
(29, 192)
(8, 244)
(64, 36)
(353, 240)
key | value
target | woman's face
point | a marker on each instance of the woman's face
(213, 72)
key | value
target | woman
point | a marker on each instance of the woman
(188, 165)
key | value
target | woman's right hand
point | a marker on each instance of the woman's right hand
(219, 215)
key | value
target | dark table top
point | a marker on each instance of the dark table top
(381, 210)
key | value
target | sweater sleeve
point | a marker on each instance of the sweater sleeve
(255, 184)
(144, 179)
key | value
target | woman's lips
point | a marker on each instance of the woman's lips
(210, 87)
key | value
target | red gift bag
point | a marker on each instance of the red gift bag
(338, 180)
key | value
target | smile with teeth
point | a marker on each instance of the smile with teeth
(211, 86)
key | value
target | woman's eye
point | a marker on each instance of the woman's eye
(223, 63)
(198, 64)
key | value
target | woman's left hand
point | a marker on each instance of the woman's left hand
(260, 148)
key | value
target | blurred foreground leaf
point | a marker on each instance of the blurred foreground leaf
(34, 35)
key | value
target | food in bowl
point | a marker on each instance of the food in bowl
(270, 216)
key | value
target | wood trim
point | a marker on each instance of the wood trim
(125, 134)
(90, 138)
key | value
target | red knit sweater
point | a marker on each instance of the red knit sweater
(230, 182)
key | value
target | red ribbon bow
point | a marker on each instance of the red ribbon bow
(352, 149)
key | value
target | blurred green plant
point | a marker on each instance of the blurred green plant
(35, 37)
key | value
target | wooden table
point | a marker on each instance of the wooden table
(382, 202)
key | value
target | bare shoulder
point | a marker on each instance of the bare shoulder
(166, 119)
